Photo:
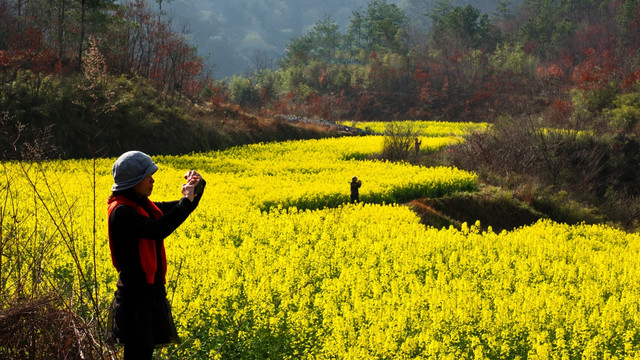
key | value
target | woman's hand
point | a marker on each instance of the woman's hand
(193, 178)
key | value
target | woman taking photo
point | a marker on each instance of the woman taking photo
(140, 317)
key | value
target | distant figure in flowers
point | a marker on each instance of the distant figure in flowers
(418, 142)
(140, 317)
(355, 193)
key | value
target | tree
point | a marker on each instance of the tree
(503, 10)
(380, 28)
(503, 18)
(146, 45)
(93, 16)
(465, 26)
(325, 39)
(440, 10)
(354, 38)
(399, 139)
(298, 52)
(550, 25)
(322, 42)
(95, 98)
(383, 27)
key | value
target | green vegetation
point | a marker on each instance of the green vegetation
(467, 67)
(573, 64)
(126, 80)
(135, 115)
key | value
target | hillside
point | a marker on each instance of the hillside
(51, 123)
(235, 36)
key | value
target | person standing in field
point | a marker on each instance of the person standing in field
(355, 186)
(140, 316)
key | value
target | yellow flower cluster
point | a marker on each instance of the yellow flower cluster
(313, 174)
(429, 128)
(275, 264)
(369, 281)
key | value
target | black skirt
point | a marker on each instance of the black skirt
(141, 317)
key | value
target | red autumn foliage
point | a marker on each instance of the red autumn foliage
(559, 111)
(150, 49)
(28, 51)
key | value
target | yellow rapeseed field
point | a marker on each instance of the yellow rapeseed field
(422, 127)
(276, 264)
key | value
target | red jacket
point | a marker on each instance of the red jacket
(146, 247)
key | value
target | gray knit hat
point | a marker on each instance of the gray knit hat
(131, 168)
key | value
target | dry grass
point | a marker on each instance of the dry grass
(40, 329)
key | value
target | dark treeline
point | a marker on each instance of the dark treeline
(562, 56)
(53, 37)
(87, 70)
(100, 77)
(89, 78)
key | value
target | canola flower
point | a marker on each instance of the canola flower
(370, 281)
(426, 128)
(267, 267)
(313, 174)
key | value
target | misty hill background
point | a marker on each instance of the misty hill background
(232, 34)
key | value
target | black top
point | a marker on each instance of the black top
(126, 227)
(355, 185)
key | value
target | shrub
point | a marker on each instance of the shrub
(512, 58)
(42, 329)
(398, 141)
(242, 91)
(591, 169)
(625, 113)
